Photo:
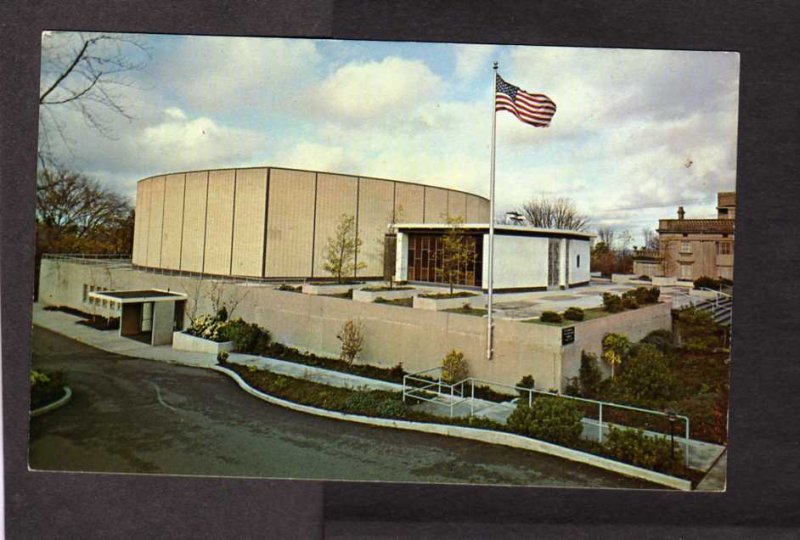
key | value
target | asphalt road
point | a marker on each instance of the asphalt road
(140, 416)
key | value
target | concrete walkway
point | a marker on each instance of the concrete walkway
(702, 455)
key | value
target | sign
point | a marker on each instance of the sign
(567, 335)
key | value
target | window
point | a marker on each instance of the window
(686, 271)
(724, 248)
(686, 246)
(579, 261)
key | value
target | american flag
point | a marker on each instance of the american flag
(534, 109)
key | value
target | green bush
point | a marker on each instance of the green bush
(697, 330)
(643, 295)
(589, 376)
(550, 317)
(397, 372)
(653, 294)
(375, 404)
(222, 358)
(612, 303)
(552, 419)
(574, 314)
(45, 387)
(247, 338)
(706, 282)
(645, 278)
(526, 382)
(454, 367)
(663, 340)
(637, 448)
(629, 302)
(646, 379)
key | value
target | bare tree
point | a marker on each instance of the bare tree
(224, 295)
(84, 73)
(341, 250)
(558, 213)
(651, 239)
(606, 234)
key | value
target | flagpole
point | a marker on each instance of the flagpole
(490, 276)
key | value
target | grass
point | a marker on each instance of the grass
(442, 296)
(405, 302)
(468, 310)
(387, 288)
(346, 295)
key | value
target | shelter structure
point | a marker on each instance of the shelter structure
(150, 315)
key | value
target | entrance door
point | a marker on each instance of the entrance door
(553, 262)
(147, 317)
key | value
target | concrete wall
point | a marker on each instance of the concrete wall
(579, 248)
(520, 261)
(270, 222)
(417, 338)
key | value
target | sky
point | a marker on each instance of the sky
(637, 132)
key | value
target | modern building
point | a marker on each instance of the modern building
(274, 223)
(526, 258)
(693, 248)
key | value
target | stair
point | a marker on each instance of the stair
(721, 309)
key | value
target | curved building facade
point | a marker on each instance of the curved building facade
(274, 223)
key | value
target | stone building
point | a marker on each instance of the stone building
(693, 248)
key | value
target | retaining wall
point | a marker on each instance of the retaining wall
(417, 338)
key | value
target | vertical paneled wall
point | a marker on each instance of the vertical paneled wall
(290, 223)
(337, 196)
(219, 228)
(155, 221)
(194, 221)
(409, 203)
(248, 225)
(172, 228)
(220, 222)
(375, 210)
(140, 225)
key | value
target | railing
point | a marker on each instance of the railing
(718, 295)
(454, 394)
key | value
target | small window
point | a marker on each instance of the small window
(724, 248)
(686, 271)
(579, 261)
(686, 246)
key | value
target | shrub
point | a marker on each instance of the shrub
(397, 372)
(550, 317)
(45, 387)
(222, 314)
(645, 278)
(629, 302)
(612, 303)
(247, 337)
(375, 404)
(725, 282)
(637, 448)
(352, 338)
(653, 294)
(526, 382)
(663, 340)
(697, 330)
(706, 282)
(207, 327)
(557, 420)
(454, 367)
(647, 379)
(222, 358)
(574, 314)
(615, 349)
(589, 376)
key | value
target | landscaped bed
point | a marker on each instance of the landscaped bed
(468, 310)
(46, 388)
(390, 405)
(97, 322)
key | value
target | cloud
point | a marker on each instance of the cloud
(225, 74)
(366, 90)
(472, 60)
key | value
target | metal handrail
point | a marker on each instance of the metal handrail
(439, 384)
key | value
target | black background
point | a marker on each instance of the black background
(763, 496)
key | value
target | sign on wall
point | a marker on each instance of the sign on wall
(567, 335)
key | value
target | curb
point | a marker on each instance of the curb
(480, 435)
(57, 404)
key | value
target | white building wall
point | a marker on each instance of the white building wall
(519, 261)
(401, 258)
(579, 248)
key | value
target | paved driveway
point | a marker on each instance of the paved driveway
(131, 415)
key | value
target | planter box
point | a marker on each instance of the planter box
(662, 281)
(622, 278)
(333, 288)
(185, 342)
(371, 296)
(438, 304)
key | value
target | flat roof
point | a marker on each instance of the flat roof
(507, 230)
(141, 295)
